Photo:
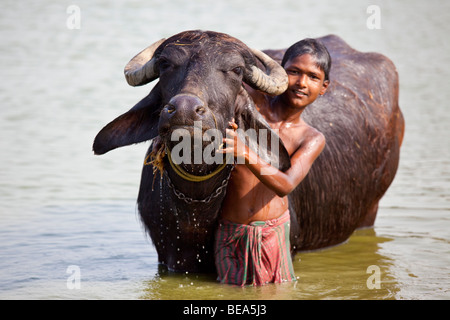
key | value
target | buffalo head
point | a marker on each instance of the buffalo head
(200, 81)
(200, 88)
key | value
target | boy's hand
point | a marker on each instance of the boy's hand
(233, 144)
(233, 124)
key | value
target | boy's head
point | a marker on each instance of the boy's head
(307, 64)
(314, 48)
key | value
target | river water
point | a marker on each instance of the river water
(69, 228)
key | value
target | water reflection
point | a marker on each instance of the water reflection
(335, 273)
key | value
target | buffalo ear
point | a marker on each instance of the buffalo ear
(139, 124)
(250, 118)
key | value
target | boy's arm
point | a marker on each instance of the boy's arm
(282, 183)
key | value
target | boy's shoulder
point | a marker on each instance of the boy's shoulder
(302, 137)
(313, 133)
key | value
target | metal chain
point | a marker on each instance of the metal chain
(180, 195)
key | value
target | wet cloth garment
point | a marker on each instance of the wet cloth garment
(254, 254)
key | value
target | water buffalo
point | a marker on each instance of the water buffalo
(201, 76)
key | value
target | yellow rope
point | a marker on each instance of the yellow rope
(156, 160)
(158, 165)
(191, 177)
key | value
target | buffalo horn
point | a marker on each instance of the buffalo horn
(274, 81)
(141, 69)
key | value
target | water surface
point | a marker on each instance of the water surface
(62, 206)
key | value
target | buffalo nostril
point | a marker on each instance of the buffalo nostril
(200, 110)
(185, 106)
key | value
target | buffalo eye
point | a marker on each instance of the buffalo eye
(238, 71)
(163, 63)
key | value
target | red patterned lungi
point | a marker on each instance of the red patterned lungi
(254, 254)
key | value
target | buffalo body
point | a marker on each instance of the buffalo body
(201, 75)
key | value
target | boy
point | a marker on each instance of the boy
(252, 240)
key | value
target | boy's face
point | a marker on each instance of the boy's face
(306, 81)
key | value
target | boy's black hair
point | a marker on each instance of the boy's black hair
(313, 47)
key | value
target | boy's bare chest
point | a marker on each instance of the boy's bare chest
(291, 136)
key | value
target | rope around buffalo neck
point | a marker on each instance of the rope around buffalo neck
(157, 163)
(189, 176)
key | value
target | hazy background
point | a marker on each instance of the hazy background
(62, 81)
